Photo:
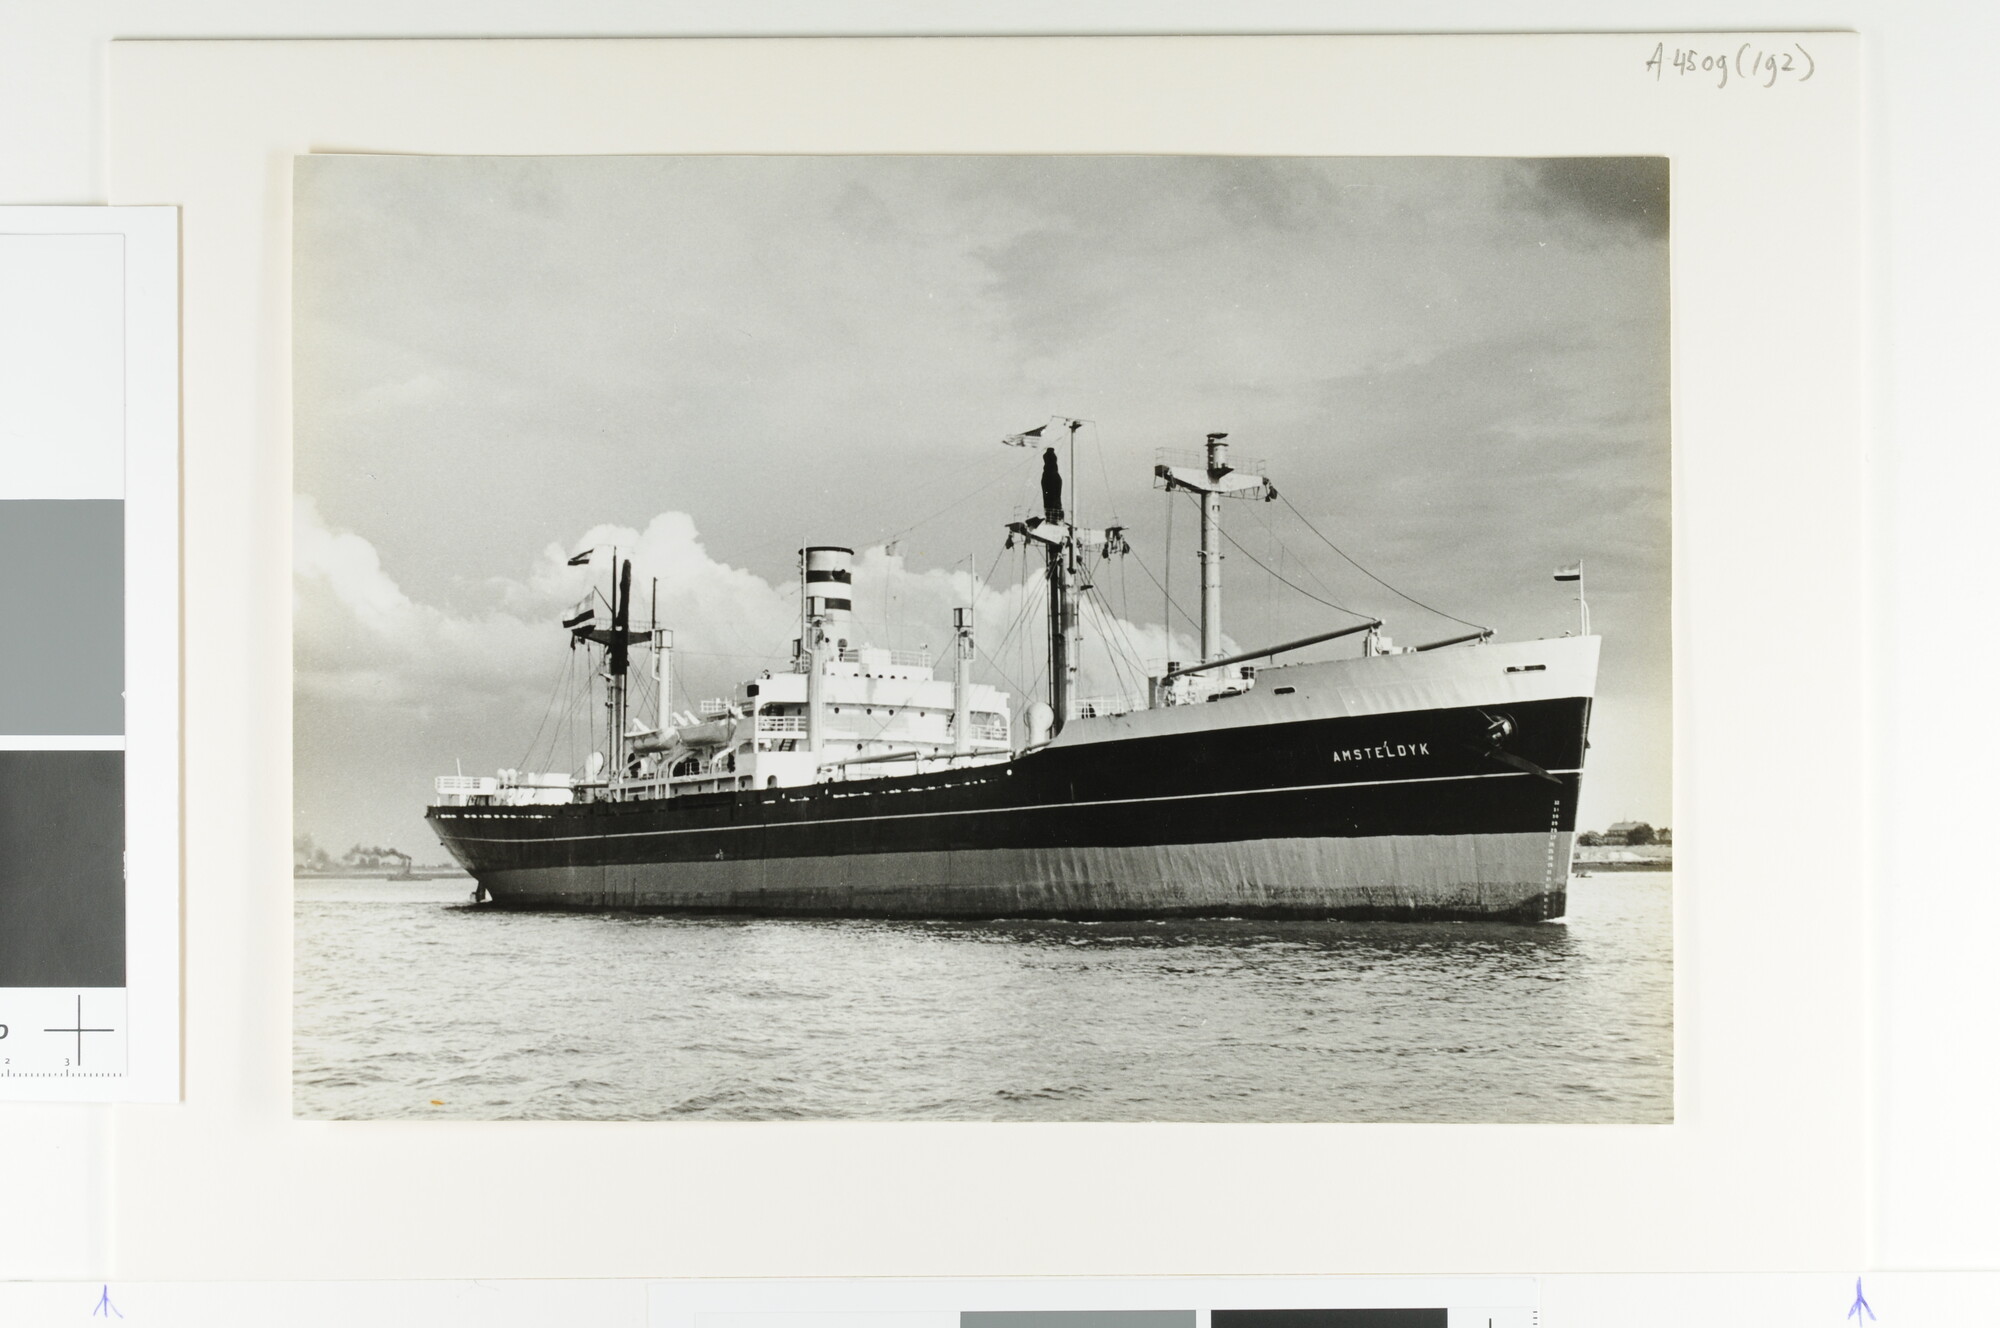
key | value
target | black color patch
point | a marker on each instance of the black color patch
(62, 869)
(1371, 1318)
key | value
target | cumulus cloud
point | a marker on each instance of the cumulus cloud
(356, 633)
(366, 652)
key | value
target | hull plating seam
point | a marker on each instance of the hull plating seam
(1078, 805)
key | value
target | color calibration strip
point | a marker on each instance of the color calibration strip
(1304, 1302)
(1412, 1316)
(88, 442)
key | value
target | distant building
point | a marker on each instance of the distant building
(1629, 832)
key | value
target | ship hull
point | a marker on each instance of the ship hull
(1407, 877)
(1391, 797)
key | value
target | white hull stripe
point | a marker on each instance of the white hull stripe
(980, 811)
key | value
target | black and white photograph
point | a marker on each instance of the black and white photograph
(997, 638)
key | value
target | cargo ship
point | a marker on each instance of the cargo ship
(1434, 781)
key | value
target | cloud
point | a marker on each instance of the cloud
(1456, 367)
(367, 654)
(348, 569)
(1626, 193)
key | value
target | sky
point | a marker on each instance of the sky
(1455, 369)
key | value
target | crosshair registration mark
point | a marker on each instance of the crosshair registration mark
(79, 1030)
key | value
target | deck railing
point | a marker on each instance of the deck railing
(1095, 707)
(909, 659)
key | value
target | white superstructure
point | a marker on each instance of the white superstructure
(844, 711)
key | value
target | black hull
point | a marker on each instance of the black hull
(1402, 815)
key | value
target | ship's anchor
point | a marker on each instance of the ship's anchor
(1499, 728)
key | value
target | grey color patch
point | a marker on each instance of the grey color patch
(62, 598)
(1076, 1319)
(62, 869)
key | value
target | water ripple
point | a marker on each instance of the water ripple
(409, 1003)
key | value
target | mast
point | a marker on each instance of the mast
(1064, 547)
(811, 647)
(663, 666)
(961, 693)
(611, 685)
(1216, 480)
(620, 664)
(1061, 563)
(1211, 551)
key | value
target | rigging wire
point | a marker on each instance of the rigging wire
(1120, 653)
(1117, 621)
(888, 500)
(576, 716)
(1371, 576)
(1030, 599)
(1005, 676)
(998, 554)
(1239, 547)
(990, 658)
(1031, 594)
(1235, 544)
(566, 727)
(1172, 603)
(1089, 608)
(1110, 498)
(1275, 548)
(562, 675)
(1001, 474)
(1256, 510)
(1124, 594)
(977, 586)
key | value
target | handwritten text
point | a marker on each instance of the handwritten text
(1749, 65)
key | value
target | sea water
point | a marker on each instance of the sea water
(412, 1003)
